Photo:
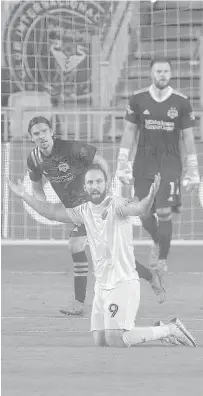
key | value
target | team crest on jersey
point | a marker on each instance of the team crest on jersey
(63, 167)
(172, 113)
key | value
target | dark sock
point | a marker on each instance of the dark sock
(80, 275)
(143, 272)
(164, 237)
(150, 225)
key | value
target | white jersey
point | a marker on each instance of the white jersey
(110, 241)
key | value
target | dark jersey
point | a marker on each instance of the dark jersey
(64, 169)
(160, 125)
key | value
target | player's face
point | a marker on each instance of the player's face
(41, 135)
(161, 75)
(95, 185)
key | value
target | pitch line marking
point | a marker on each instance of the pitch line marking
(66, 317)
(66, 273)
(66, 331)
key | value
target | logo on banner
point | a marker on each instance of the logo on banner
(47, 45)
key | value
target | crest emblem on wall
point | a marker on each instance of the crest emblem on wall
(47, 45)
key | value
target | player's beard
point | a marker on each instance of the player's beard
(162, 84)
(97, 199)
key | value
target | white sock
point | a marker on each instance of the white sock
(137, 335)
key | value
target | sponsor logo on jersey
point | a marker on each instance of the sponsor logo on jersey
(63, 167)
(47, 45)
(159, 125)
(146, 112)
(129, 110)
(60, 179)
(172, 113)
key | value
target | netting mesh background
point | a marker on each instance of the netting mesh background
(52, 54)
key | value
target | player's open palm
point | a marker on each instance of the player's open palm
(18, 189)
(155, 185)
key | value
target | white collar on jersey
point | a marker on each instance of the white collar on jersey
(168, 93)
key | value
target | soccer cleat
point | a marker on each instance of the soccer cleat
(157, 287)
(76, 308)
(170, 339)
(182, 335)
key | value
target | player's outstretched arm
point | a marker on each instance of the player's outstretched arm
(127, 152)
(37, 190)
(56, 212)
(140, 208)
(192, 178)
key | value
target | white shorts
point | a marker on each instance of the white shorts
(116, 308)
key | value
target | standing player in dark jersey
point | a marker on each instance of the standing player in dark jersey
(64, 163)
(158, 118)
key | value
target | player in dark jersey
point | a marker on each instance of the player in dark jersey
(157, 118)
(63, 163)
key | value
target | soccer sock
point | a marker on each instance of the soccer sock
(80, 275)
(164, 235)
(139, 335)
(143, 272)
(150, 225)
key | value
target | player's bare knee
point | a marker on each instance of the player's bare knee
(77, 244)
(114, 338)
(99, 338)
(164, 214)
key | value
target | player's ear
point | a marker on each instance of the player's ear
(31, 138)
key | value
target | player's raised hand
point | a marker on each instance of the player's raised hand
(155, 185)
(191, 181)
(18, 189)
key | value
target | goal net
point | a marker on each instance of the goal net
(77, 63)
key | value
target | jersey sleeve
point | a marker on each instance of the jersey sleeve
(187, 116)
(132, 113)
(34, 171)
(84, 152)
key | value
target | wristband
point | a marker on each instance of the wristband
(123, 154)
(192, 160)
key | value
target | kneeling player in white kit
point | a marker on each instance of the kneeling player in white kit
(117, 287)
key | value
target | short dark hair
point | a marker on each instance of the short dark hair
(96, 167)
(38, 120)
(160, 60)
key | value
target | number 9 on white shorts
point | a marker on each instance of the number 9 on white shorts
(115, 308)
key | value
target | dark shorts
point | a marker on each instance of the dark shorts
(168, 194)
(78, 231)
